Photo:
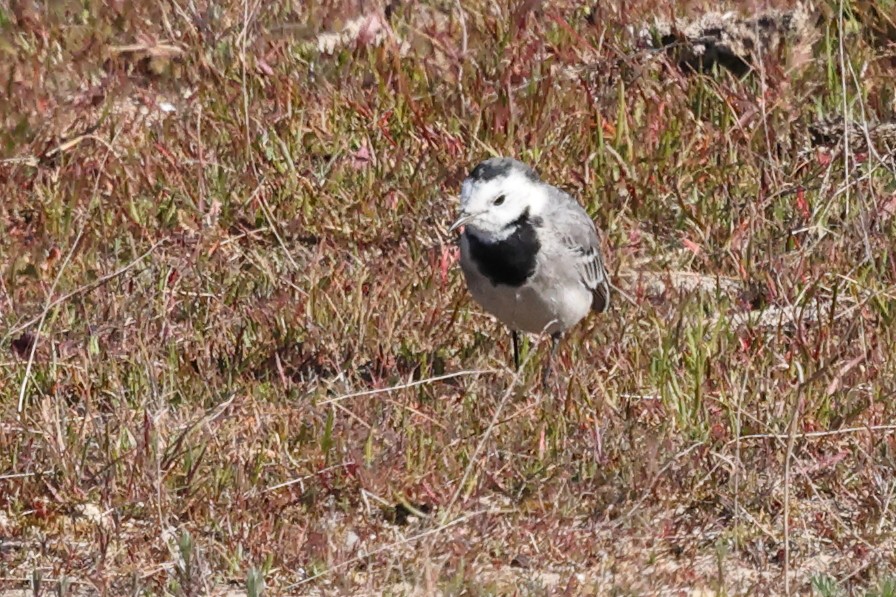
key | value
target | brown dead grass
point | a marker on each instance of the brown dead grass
(234, 343)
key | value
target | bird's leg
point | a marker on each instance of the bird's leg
(548, 370)
(515, 339)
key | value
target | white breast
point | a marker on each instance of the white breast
(551, 301)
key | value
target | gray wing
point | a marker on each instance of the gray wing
(577, 232)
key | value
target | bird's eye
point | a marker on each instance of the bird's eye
(498, 200)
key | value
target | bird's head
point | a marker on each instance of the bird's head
(497, 196)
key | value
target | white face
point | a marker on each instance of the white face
(493, 205)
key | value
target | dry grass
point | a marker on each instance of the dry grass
(236, 352)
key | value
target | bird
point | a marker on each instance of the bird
(529, 252)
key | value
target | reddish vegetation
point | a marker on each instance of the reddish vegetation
(224, 226)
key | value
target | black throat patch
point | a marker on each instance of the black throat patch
(510, 261)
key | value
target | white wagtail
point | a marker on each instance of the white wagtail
(529, 252)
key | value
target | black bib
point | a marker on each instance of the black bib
(510, 261)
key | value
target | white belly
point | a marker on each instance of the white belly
(556, 306)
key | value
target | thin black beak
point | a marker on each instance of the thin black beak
(463, 219)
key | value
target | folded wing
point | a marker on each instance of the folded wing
(577, 232)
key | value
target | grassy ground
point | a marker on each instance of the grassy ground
(235, 350)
